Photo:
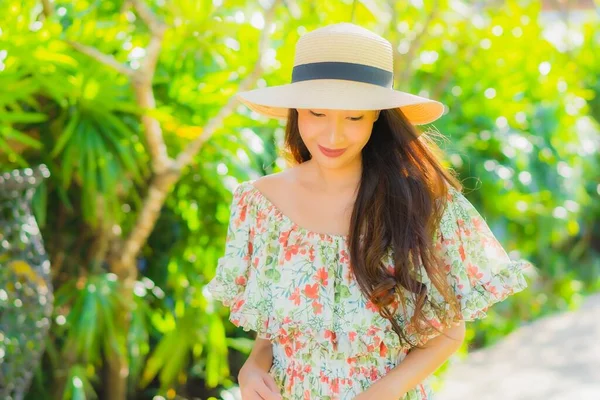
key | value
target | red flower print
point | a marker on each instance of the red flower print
(383, 349)
(372, 306)
(322, 276)
(493, 290)
(243, 214)
(461, 250)
(283, 238)
(317, 307)
(329, 334)
(344, 256)
(311, 254)
(284, 338)
(240, 280)
(377, 340)
(478, 223)
(237, 305)
(352, 336)
(435, 322)
(291, 251)
(312, 291)
(306, 394)
(288, 351)
(473, 272)
(335, 385)
(374, 374)
(296, 297)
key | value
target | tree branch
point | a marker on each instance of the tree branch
(102, 58)
(157, 30)
(143, 88)
(154, 199)
(47, 8)
(403, 74)
(156, 26)
(185, 157)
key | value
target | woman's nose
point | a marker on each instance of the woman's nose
(336, 132)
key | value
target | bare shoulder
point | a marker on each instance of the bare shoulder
(278, 182)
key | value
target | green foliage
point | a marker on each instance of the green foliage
(79, 386)
(523, 119)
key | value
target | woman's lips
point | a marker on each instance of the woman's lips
(331, 152)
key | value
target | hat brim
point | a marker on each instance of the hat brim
(275, 101)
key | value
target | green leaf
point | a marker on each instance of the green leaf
(10, 133)
(22, 117)
(66, 134)
(159, 357)
(175, 363)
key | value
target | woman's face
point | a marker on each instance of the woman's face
(335, 138)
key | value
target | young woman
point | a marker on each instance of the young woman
(358, 266)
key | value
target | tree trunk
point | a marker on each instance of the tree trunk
(124, 266)
(118, 365)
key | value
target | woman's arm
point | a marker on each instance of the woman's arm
(416, 366)
(261, 355)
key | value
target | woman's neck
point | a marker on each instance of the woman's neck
(334, 180)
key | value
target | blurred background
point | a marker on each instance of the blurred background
(120, 145)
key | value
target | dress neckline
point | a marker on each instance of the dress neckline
(270, 204)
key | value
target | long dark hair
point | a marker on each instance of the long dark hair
(397, 207)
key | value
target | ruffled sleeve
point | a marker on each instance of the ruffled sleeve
(238, 283)
(477, 268)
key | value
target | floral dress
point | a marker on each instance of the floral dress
(295, 287)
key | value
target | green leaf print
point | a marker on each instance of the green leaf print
(344, 291)
(273, 274)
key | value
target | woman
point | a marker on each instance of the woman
(358, 266)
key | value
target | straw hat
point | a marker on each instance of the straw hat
(344, 67)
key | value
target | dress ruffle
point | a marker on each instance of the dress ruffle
(477, 267)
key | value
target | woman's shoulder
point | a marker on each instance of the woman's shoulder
(257, 197)
(278, 181)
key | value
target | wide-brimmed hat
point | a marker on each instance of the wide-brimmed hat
(343, 67)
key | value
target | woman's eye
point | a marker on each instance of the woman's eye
(316, 114)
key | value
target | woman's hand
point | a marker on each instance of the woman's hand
(256, 384)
